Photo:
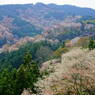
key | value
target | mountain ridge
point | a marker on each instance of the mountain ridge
(50, 4)
(21, 20)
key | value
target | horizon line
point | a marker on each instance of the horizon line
(45, 4)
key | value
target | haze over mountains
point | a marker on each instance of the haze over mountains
(53, 22)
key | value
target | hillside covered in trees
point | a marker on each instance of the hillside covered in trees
(47, 49)
(54, 22)
(46, 69)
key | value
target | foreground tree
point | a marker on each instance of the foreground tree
(27, 74)
(91, 44)
(13, 82)
(7, 82)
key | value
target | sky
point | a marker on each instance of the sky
(81, 3)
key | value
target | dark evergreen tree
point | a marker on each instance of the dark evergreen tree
(27, 74)
(91, 44)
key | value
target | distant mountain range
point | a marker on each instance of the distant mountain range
(50, 21)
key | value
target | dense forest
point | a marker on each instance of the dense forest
(20, 69)
(41, 52)
(12, 82)
(18, 21)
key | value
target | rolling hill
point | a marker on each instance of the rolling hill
(73, 75)
(19, 21)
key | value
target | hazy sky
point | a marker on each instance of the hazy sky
(82, 3)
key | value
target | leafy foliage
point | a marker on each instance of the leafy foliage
(91, 44)
(13, 82)
(41, 51)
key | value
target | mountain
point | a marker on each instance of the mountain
(47, 50)
(19, 21)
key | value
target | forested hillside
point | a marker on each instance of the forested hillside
(41, 52)
(47, 49)
(75, 74)
(18, 21)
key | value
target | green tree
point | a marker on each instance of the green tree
(27, 74)
(91, 44)
(13, 82)
(7, 82)
(43, 54)
(27, 59)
